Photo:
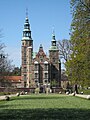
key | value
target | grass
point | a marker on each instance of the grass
(45, 107)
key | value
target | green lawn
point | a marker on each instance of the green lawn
(45, 107)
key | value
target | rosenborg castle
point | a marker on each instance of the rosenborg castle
(38, 69)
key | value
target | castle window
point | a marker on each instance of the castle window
(52, 53)
(36, 67)
(30, 44)
(25, 77)
(46, 75)
(24, 69)
(24, 61)
(26, 42)
(46, 66)
(24, 54)
(36, 75)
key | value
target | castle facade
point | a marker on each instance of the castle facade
(38, 69)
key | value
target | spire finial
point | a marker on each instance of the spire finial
(26, 12)
(53, 31)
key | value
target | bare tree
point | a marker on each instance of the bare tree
(5, 70)
(64, 47)
(5, 67)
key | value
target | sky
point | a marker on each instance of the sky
(44, 15)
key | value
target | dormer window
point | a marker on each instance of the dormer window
(41, 58)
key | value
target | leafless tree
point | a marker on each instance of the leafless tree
(5, 66)
(64, 47)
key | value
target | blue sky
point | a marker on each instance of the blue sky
(43, 15)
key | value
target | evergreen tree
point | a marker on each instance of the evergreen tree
(78, 67)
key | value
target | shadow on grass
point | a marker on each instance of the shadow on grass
(45, 114)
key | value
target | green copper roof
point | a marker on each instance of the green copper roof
(53, 48)
(26, 38)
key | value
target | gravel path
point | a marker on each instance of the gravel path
(3, 97)
(78, 95)
(83, 96)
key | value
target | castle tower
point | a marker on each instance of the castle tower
(55, 65)
(26, 53)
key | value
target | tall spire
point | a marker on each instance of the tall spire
(26, 31)
(53, 41)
